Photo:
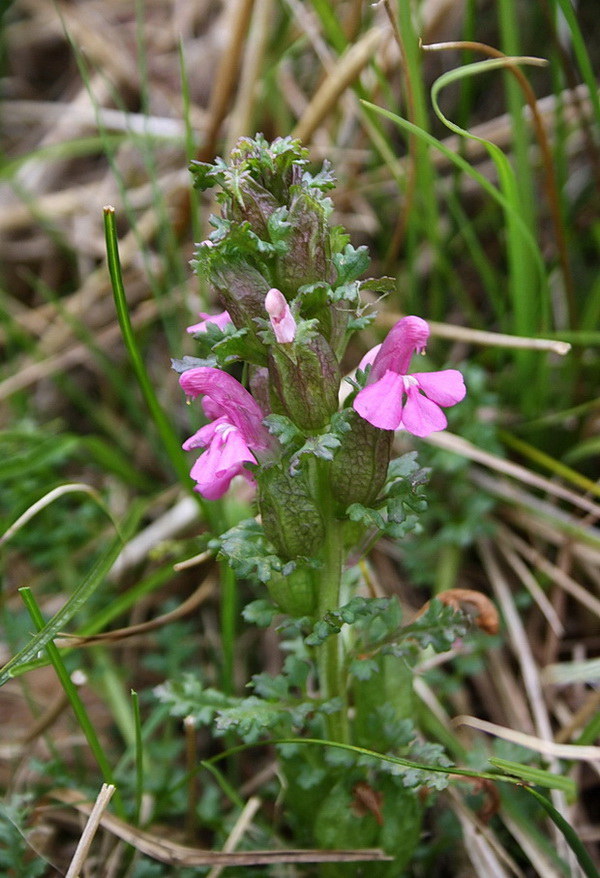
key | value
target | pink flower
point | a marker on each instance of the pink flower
(394, 400)
(231, 439)
(282, 319)
(221, 320)
(224, 457)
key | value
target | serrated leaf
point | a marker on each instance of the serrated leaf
(236, 346)
(351, 263)
(361, 321)
(323, 180)
(321, 631)
(296, 670)
(279, 228)
(346, 293)
(188, 697)
(318, 446)
(260, 613)
(247, 551)
(269, 687)
(382, 285)
(282, 427)
(185, 363)
(364, 669)
(251, 717)
(403, 466)
(364, 515)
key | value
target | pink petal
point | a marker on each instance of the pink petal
(224, 459)
(211, 487)
(202, 437)
(211, 409)
(446, 387)
(282, 319)
(421, 416)
(381, 403)
(369, 357)
(221, 320)
(404, 338)
(230, 399)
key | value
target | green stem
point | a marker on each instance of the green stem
(330, 654)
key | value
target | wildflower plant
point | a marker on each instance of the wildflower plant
(326, 489)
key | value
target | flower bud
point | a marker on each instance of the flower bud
(359, 467)
(281, 317)
(306, 380)
(290, 516)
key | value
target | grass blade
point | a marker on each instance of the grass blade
(162, 423)
(583, 858)
(89, 585)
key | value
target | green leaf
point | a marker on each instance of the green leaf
(403, 466)
(381, 285)
(282, 427)
(189, 697)
(321, 446)
(251, 717)
(269, 687)
(247, 551)
(184, 363)
(350, 263)
(368, 517)
(348, 614)
(364, 669)
(279, 229)
(260, 613)
(162, 422)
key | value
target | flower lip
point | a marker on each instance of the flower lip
(229, 398)
(224, 458)
(232, 437)
(393, 399)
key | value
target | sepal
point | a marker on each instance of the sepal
(305, 379)
(294, 589)
(290, 514)
(360, 466)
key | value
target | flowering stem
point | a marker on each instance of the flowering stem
(330, 655)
